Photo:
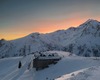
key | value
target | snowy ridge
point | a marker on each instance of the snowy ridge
(91, 73)
(83, 41)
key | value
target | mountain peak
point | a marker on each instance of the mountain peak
(90, 22)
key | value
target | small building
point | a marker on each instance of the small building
(42, 61)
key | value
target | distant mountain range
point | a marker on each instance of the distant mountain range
(83, 40)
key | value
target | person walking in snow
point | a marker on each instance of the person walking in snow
(20, 64)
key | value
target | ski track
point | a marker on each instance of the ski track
(14, 75)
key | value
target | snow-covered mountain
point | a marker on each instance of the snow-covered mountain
(83, 40)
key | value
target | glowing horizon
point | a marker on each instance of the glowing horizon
(11, 36)
(20, 18)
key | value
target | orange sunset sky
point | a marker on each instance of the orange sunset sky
(19, 18)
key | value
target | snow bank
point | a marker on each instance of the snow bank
(92, 73)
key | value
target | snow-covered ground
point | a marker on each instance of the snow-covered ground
(92, 73)
(9, 68)
(68, 64)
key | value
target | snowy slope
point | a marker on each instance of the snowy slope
(9, 68)
(92, 73)
(83, 40)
